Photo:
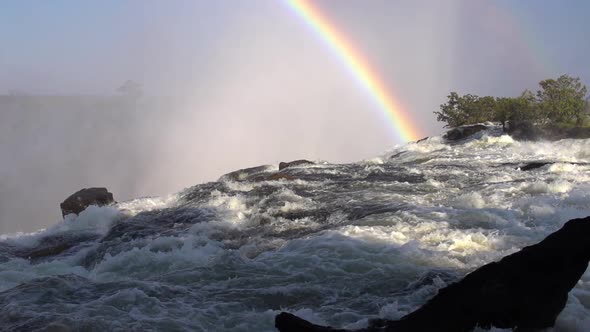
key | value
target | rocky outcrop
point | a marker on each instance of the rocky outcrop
(80, 200)
(463, 132)
(245, 174)
(525, 290)
(283, 165)
(257, 174)
(524, 131)
(527, 131)
(265, 172)
(576, 132)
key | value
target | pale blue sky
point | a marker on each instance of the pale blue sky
(68, 45)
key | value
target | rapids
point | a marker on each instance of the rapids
(336, 244)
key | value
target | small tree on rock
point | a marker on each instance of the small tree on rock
(451, 112)
(562, 100)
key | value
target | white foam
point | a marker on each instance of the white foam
(374, 161)
(477, 210)
(92, 220)
(539, 187)
(165, 256)
(17, 271)
(501, 141)
(470, 200)
(135, 206)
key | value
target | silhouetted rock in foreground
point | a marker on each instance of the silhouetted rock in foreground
(82, 199)
(525, 290)
(283, 165)
(462, 132)
(286, 322)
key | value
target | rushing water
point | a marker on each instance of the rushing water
(334, 243)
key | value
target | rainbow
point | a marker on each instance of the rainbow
(356, 63)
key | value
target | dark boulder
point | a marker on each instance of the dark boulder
(528, 131)
(526, 290)
(82, 199)
(534, 165)
(524, 131)
(460, 133)
(283, 165)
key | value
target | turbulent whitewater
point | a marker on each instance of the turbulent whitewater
(336, 244)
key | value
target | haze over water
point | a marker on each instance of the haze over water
(230, 85)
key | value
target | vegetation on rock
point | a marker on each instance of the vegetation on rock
(558, 102)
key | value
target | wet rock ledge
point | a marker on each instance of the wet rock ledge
(526, 290)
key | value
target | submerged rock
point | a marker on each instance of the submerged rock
(283, 165)
(257, 174)
(462, 132)
(526, 290)
(274, 177)
(80, 200)
(48, 250)
(538, 164)
(245, 174)
(264, 172)
(534, 165)
(49, 247)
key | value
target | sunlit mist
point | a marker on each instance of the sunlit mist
(149, 97)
